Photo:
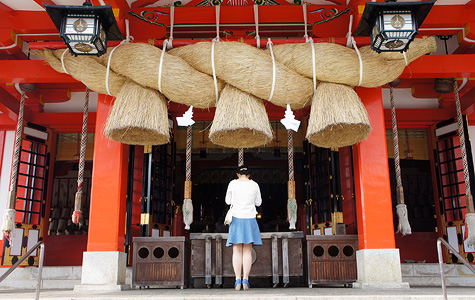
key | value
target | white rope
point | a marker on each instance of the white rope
(172, 21)
(304, 7)
(214, 70)
(348, 35)
(361, 61)
(62, 62)
(217, 8)
(109, 67)
(256, 20)
(269, 46)
(164, 48)
(405, 57)
(314, 69)
(127, 30)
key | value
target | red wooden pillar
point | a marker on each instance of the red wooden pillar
(109, 187)
(104, 263)
(378, 262)
(372, 186)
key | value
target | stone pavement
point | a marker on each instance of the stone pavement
(294, 293)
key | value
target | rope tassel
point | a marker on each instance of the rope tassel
(470, 229)
(403, 227)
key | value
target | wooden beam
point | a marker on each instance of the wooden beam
(17, 71)
(407, 118)
(467, 101)
(441, 66)
(6, 123)
(66, 122)
(142, 3)
(40, 2)
(122, 5)
(10, 106)
(6, 10)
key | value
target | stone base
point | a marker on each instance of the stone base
(379, 268)
(102, 288)
(381, 285)
(103, 271)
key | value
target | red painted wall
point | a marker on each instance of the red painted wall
(65, 250)
(418, 246)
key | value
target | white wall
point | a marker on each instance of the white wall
(5, 173)
(471, 133)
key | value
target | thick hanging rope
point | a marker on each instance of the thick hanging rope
(9, 216)
(187, 202)
(401, 209)
(291, 202)
(470, 215)
(76, 217)
(240, 157)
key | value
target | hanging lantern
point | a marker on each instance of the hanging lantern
(85, 29)
(391, 25)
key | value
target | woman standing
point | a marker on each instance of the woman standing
(244, 194)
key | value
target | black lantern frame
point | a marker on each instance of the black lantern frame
(392, 26)
(85, 29)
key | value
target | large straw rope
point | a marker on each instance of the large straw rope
(76, 217)
(470, 216)
(9, 216)
(240, 65)
(266, 76)
(401, 209)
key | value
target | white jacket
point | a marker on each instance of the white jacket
(245, 196)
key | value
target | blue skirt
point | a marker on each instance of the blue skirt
(244, 231)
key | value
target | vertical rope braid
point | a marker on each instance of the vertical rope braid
(240, 157)
(462, 140)
(401, 209)
(395, 140)
(76, 217)
(9, 216)
(189, 142)
(470, 215)
(291, 202)
(290, 152)
(187, 202)
(16, 153)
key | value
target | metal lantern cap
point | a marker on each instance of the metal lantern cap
(104, 12)
(372, 10)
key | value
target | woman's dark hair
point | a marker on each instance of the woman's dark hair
(243, 170)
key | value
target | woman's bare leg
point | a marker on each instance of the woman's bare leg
(246, 260)
(237, 259)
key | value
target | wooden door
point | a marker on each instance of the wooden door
(33, 172)
(451, 185)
